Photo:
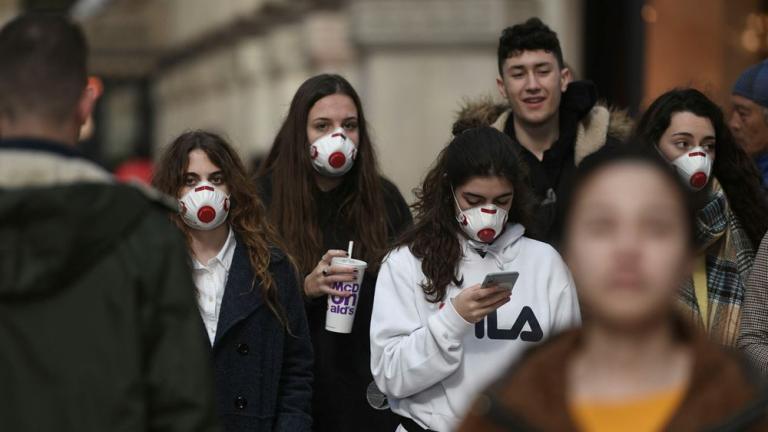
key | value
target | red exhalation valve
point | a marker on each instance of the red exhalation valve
(698, 180)
(487, 235)
(206, 214)
(337, 159)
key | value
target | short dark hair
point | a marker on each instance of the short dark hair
(42, 67)
(531, 35)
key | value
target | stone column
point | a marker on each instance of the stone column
(418, 61)
(255, 112)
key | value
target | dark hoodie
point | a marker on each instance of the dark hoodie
(586, 126)
(98, 326)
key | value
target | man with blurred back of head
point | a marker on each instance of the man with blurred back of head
(98, 323)
(749, 119)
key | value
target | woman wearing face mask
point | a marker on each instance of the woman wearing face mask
(322, 187)
(635, 365)
(247, 289)
(437, 335)
(690, 132)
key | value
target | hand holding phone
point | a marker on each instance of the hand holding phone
(506, 280)
(475, 302)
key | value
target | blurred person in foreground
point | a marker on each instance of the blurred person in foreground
(689, 131)
(554, 121)
(749, 118)
(98, 324)
(635, 365)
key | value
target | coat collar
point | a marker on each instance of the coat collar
(40, 145)
(40, 163)
(720, 388)
(242, 293)
(591, 131)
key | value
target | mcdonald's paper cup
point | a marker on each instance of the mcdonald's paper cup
(341, 310)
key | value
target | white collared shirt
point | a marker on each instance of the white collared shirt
(210, 280)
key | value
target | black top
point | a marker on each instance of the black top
(343, 361)
(551, 178)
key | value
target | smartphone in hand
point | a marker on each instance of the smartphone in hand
(504, 280)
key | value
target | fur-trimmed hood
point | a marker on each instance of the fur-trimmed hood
(59, 214)
(598, 122)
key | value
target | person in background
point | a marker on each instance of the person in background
(635, 365)
(753, 337)
(322, 187)
(749, 118)
(98, 322)
(554, 122)
(437, 335)
(247, 289)
(689, 131)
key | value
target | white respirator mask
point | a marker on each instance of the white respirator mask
(481, 223)
(695, 167)
(204, 207)
(333, 154)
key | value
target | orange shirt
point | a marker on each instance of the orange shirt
(648, 413)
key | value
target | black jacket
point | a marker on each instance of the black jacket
(586, 126)
(343, 361)
(99, 330)
(263, 373)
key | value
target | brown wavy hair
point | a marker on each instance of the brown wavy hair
(735, 170)
(293, 208)
(476, 152)
(246, 215)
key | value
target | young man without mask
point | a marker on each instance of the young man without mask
(554, 121)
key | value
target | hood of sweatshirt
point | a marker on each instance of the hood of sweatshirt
(59, 213)
(503, 250)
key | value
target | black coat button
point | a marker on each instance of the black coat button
(241, 402)
(242, 348)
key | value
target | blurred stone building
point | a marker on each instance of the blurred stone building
(233, 65)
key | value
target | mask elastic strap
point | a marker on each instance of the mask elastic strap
(658, 150)
(456, 201)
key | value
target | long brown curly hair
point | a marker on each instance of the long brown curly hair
(246, 215)
(293, 208)
(477, 152)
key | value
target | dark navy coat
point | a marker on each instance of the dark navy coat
(263, 374)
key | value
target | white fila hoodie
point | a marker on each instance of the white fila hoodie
(429, 361)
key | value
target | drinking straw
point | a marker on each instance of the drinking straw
(349, 248)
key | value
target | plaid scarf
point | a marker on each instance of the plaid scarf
(729, 255)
